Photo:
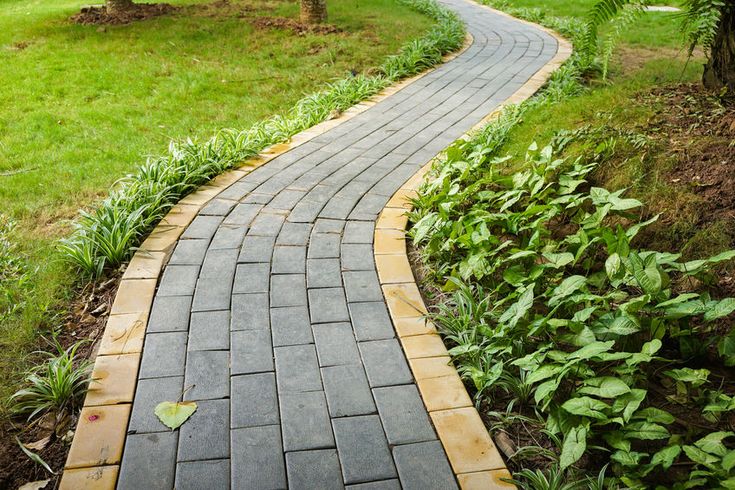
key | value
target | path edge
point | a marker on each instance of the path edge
(472, 454)
(96, 451)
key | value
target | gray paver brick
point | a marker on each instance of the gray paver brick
(209, 330)
(323, 273)
(297, 369)
(254, 400)
(212, 294)
(328, 305)
(196, 475)
(308, 469)
(385, 363)
(251, 278)
(189, 252)
(363, 449)
(294, 234)
(228, 236)
(335, 344)
(169, 314)
(305, 421)
(251, 351)
(205, 434)
(218, 207)
(371, 321)
(328, 226)
(376, 485)
(289, 260)
(250, 312)
(362, 286)
(208, 375)
(149, 461)
(266, 225)
(242, 214)
(288, 290)
(347, 391)
(257, 458)
(357, 257)
(291, 326)
(359, 232)
(403, 414)
(219, 264)
(163, 355)
(256, 249)
(148, 394)
(178, 280)
(324, 245)
(424, 466)
(203, 227)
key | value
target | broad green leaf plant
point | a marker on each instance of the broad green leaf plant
(552, 305)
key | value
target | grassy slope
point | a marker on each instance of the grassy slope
(81, 106)
(649, 55)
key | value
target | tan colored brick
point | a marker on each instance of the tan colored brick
(431, 367)
(466, 440)
(402, 199)
(162, 238)
(444, 393)
(134, 296)
(404, 300)
(418, 346)
(392, 218)
(113, 380)
(394, 269)
(416, 325)
(95, 478)
(485, 480)
(124, 334)
(389, 242)
(182, 214)
(99, 436)
(145, 265)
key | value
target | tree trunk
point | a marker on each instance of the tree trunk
(313, 11)
(720, 68)
(117, 6)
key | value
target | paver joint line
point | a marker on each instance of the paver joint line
(289, 305)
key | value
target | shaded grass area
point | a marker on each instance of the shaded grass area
(82, 105)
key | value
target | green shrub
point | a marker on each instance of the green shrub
(57, 385)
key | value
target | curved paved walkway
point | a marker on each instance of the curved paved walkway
(271, 311)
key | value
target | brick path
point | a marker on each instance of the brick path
(271, 310)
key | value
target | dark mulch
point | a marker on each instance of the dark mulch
(293, 26)
(85, 322)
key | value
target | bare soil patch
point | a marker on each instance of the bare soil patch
(98, 15)
(294, 26)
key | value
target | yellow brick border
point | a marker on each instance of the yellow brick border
(472, 454)
(96, 450)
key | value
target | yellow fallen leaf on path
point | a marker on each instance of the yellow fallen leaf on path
(173, 414)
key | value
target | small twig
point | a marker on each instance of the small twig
(10, 173)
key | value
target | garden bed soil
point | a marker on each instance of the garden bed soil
(84, 322)
(98, 15)
(697, 130)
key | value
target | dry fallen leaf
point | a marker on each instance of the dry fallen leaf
(34, 485)
(39, 444)
(173, 414)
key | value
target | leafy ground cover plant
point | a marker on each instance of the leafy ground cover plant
(105, 238)
(561, 322)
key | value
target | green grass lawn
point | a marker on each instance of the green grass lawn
(81, 106)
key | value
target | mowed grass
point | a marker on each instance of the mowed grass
(81, 106)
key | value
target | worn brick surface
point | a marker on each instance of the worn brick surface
(271, 313)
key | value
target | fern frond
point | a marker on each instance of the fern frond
(699, 22)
